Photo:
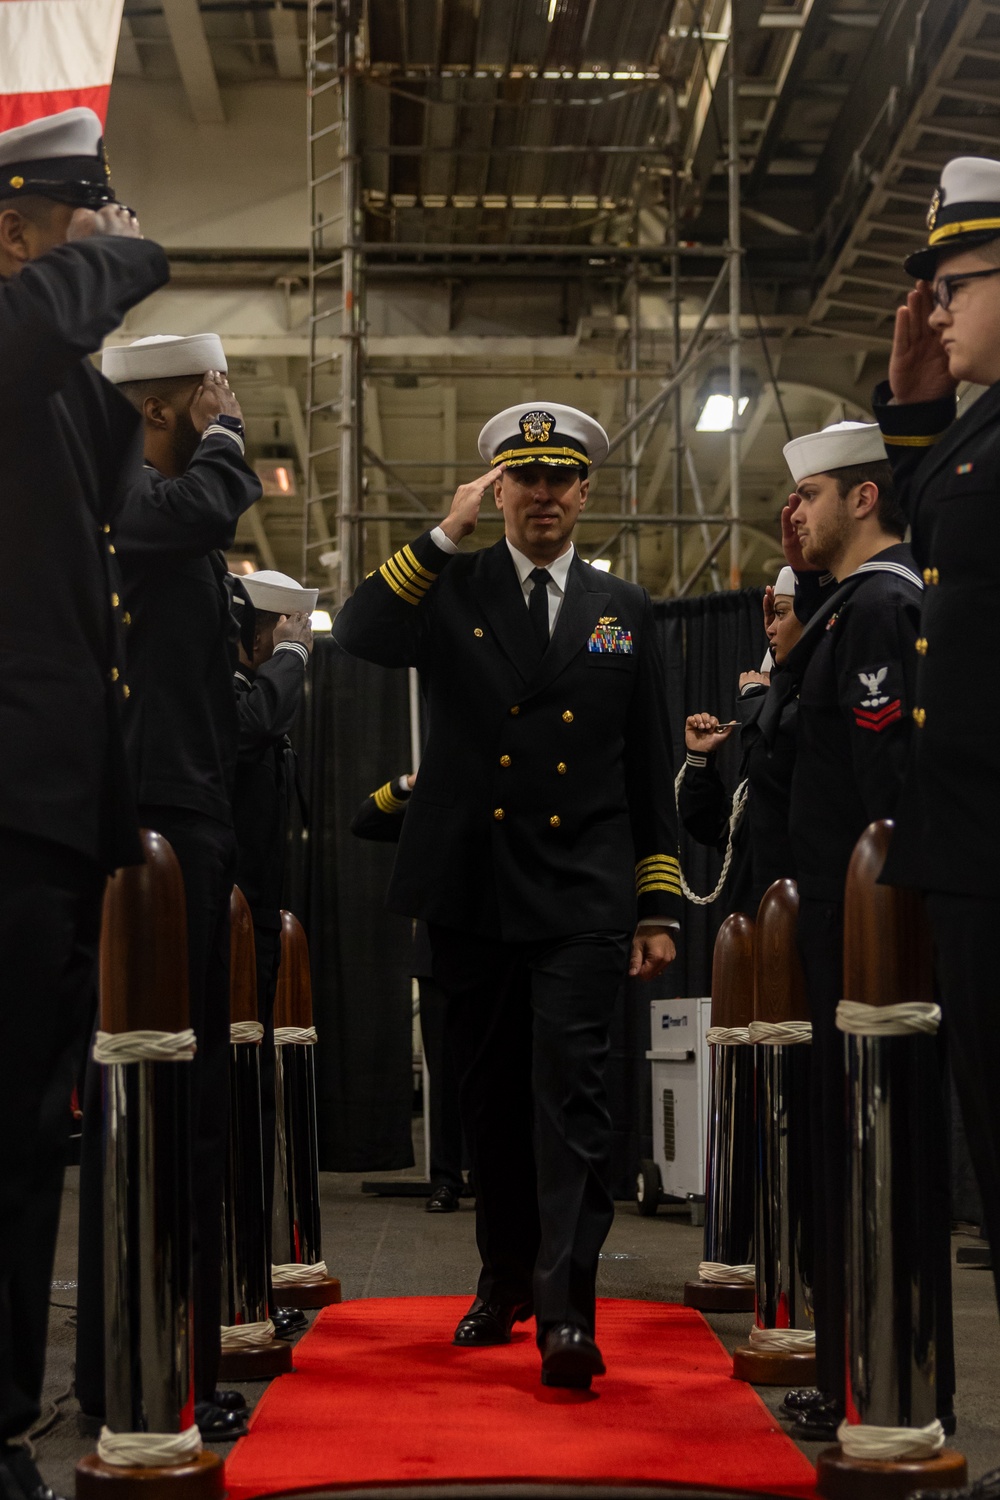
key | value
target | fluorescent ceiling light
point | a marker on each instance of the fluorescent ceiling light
(602, 564)
(320, 620)
(717, 413)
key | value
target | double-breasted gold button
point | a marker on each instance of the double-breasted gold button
(505, 761)
(111, 549)
(555, 821)
(105, 528)
(920, 717)
(126, 618)
(515, 710)
(932, 577)
(921, 646)
(498, 814)
(478, 633)
(115, 601)
(568, 716)
(126, 690)
(561, 768)
(114, 674)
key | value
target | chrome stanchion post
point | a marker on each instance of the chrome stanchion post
(892, 1442)
(145, 1045)
(299, 1276)
(250, 1350)
(781, 1350)
(726, 1274)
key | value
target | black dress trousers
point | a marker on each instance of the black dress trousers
(206, 851)
(267, 947)
(965, 937)
(50, 915)
(530, 1023)
(821, 945)
(442, 1070)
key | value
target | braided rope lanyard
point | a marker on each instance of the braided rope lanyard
(739, 806)
(783, 1340)
(298, 1036)
(144, 1046)
(294, 1274)
(148, 1450)
(884, 1444)
(912, 1018)
(248, 1335)
(245, 1031)
(727, 1036)
(716, 1271)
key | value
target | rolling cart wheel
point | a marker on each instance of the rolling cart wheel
(647, 1188)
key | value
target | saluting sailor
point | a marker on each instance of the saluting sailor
(541, 828)
(948, 473)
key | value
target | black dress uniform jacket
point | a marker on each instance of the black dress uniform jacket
(267, 702)
(71, 446)
(545, 800)
(380, 818)
(948, 477)
(180, 718)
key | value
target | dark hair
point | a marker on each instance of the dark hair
(168, 388)
(888, 511)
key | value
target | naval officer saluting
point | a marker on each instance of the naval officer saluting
(541, 830)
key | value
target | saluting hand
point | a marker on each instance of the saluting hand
(464, 514)
(918, 366)
(790, 544)
(295, 627)
(213, 398)
(114, 218)
(703, 734)
(652, 950)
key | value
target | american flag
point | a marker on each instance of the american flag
(54, 55)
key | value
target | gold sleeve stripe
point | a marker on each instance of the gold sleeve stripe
(658, 885)
(396, 588)
(406, 577)
(386, 801)
(406, 580)
(657, 862)
(408, 554)
(911, 442)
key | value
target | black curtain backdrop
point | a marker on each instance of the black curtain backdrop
(352, 736)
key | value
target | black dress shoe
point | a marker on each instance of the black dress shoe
(19, 1478)
(288, 1321)
(804, 1398)
(819, 1423)
(217, 1425)
(987, 1488)
(443, 1200)
(570, 1357)
(489, 1323)
(229, 1400)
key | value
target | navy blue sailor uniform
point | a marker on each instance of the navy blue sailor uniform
(542, 825)
(947, 839)
(855, 665)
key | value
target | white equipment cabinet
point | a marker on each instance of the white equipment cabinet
(678, 1057)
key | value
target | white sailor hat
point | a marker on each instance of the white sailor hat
(785, 581)
(277, 594)
(60, 157)
(964, 212)
(543, 433)
(835, 447)
(163, 356)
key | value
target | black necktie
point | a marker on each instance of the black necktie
(538, 606)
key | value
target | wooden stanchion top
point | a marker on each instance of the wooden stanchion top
(144, 954)
(293, 999)
(888, 958)
(242, 960)
(781, 987)
(733, 972)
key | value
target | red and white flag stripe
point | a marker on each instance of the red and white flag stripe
(54, 55)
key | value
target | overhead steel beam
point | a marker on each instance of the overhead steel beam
(194, 59)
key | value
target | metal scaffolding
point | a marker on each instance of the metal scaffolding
(355, 184)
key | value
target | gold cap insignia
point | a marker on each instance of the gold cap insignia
(104, 161)
(932, 212)
(536, 426)
(17, 182)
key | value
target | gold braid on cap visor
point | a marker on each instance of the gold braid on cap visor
(963, 226)
(556, 456)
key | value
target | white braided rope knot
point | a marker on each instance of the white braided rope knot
(245, 1031)
(148, 1450)
(884, 1444)
(783, 1340)
(293, 1274)
(780, 1033)
(300, 1036)
(912, 1018)
(144, 1046)
(248, 1335)
(727, 1036)
(718, 1271)
(739, 806)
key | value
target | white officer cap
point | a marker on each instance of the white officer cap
(785, 582)
(834, 448)
(277, 594)
(543, 433)
(60, 157)
(964, 212)
(163, 356)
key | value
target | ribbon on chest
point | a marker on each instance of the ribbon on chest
(610, 638)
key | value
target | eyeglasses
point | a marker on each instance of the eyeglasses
(944, 288)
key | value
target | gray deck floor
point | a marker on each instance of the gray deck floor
(382, 1247)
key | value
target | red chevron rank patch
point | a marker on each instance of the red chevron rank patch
(879, 719)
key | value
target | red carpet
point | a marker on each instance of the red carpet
(380, 1396)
